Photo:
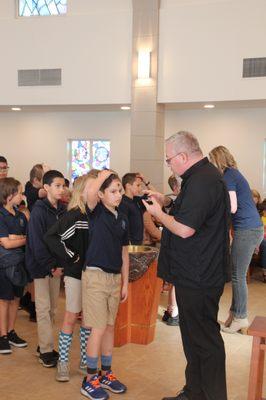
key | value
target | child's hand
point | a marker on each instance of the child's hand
(14, 237)
(124, 293)
(57, 272)
(104, 174)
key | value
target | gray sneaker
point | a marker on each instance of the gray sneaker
(62, 374)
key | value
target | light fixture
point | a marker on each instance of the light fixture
(124, 108)
(209, 105)
(16, 109)
(144, 64)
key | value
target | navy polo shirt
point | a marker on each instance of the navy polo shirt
(246, 216)
(11, 225)
(132, 209)
(108, 233)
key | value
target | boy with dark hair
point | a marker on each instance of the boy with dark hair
(132, 184)
(104, 282)
(3, 167)
(34, 187)
(43, 266)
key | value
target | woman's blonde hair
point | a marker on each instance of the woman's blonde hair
(221, 157)
(77, 200)
(256, 194)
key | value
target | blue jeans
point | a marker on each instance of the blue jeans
(244, 243)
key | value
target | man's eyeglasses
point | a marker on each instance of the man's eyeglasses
(4, 169)
(168, 160)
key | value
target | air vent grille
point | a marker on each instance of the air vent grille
(254, 67)
(39, 77)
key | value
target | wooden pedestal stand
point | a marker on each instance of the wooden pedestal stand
(136, 318)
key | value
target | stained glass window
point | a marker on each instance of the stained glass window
(88, 154)
(28, 8)
(101, 154)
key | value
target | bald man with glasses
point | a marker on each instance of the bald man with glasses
(193, 257)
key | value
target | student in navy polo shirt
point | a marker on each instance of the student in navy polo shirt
(12, 240)
(34, 187)
(104, 281)
(132, 208)
(247, 235)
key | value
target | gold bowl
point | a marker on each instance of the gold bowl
(140, 258)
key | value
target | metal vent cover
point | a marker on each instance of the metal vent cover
(40, 77)
(254, 67)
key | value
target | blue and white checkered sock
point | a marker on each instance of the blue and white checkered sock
(65, 340)
(84, 333)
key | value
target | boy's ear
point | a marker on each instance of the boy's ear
(46, 187)
(8, 198)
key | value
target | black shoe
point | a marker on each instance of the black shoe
(55, 353)
(4, 345)
(48, 360)
(180, 396)
(173, 321)
(166, 316)
(15, 340)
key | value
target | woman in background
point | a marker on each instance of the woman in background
(247, 235)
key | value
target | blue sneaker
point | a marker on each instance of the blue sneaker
(93, 389)
(110, 382)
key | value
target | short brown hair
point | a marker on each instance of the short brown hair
(8, 187)
(129, 178)
(36, 172)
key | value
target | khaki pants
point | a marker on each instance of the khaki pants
(46, 297)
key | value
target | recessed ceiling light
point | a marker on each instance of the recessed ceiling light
(125, 108)
(16, 109)
(209, 105)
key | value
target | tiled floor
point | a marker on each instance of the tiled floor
(150, 372)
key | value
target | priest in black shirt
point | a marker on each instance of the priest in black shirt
(194, 256)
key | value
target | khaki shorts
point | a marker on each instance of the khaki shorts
(101, 294)
(73, 294)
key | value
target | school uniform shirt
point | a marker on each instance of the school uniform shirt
(108, 233)
(246, 216)
(67, 239)
(134, 213)
(199, 261)
(39, 260)
(11, 225)
(32, 195)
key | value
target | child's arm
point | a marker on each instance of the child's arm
(124, 273)
(93, 186)
(57, 237)
(36, 230)
(13, 241)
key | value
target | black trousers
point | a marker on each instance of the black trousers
(202, 342)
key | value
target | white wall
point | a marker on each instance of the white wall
(92, 45)
(242, 131)
(202, 44)
(30, 138)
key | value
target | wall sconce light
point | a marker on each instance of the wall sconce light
(144, 64)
